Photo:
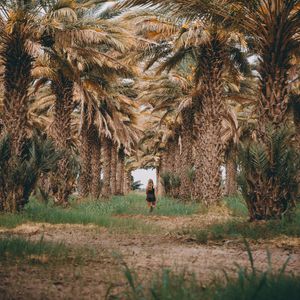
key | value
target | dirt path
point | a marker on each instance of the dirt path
(146, 254)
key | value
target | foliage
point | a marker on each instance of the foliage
(19, 174)
(268, 176)
(170, 181)
(191, 174)
(237, 205)
(136, 185)
(247, 284)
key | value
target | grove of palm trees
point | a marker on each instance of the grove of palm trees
(204, 92)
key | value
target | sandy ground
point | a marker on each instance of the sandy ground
(102, 270)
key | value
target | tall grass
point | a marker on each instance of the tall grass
(241, 228)
(102, 213)
(246, 284)
(12, 248)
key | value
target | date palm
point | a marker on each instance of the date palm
(80, 49)
(170, 95)
(268, 24)
(17, 40)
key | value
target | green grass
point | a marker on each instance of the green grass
(246, 285)
(250, 230)
(237, 206)
(12, 248)
(101, 213)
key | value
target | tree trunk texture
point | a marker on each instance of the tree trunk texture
(107, 145)
(210, 148)
(113, 174)
(297, 123)
(63, 181)
(231, 176)
(212, 152)
(85, 156)
(160, 170)
(17, 79)
(186, 156)
(120, 171)
(176, 169)
(297, 137)
(96, 164)
(273, 69)
(127, 182)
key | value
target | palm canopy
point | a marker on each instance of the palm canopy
(272, 28)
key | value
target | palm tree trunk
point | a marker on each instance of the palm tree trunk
(177, 169)
(297, 123)
(297, 131)
(197, 158)
(210, 144)
(96, 164)
(107, 145)
(160, 170)
(85, 156)
(17, 78)
(186, 157)
(64, 180)
(127, 183)
(274, 71)
(231, 176)
(120, 171)
(113, 173)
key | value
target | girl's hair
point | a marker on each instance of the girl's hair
(150, 181)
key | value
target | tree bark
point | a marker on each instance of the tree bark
(160, 171)
(296, 111)
(127, 182)
(63, 181)
(186, 156)
(96, 164)
(113, 174)
(107, 145)
(274, 69)
(85, 156)
(231, 175)
(17, 79)
(120, 171)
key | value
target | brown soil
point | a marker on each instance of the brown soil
(91, 278)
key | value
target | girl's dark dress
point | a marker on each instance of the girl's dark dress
(150, 195)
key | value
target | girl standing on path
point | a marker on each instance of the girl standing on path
(151, 197)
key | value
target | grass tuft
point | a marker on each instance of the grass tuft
(246, 285)
(13, 248)
(241, 228)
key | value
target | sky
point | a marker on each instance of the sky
(144, 175)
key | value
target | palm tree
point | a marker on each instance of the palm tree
(85, 52)
(268, 24)
(216, 56)
(18, 27)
